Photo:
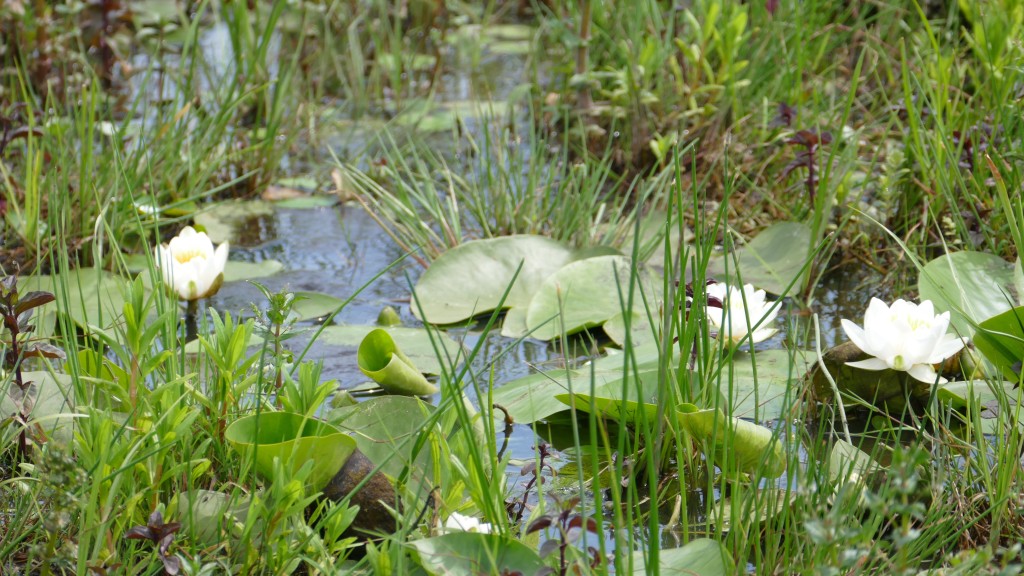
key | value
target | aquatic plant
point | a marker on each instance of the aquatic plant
(191, 266)
(906, 337)
(740, 315)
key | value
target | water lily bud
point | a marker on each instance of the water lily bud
(191, 266)
(389, 317)
(905, 337)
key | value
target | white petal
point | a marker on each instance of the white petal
(762, 334)
(876, 316)
(870, 364)
(948, 346)
(857, 335)
(925, 373)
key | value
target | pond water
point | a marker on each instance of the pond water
(338, 249)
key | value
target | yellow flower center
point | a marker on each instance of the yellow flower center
(188, 255)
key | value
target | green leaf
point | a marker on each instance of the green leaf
(386, 430)
(383, 361)
(772, 260)
(1001, 340)
(294, 439)
(235, 270)
(700, 557)
(640, 331)
(416, 343)
(847, 463)
(52, 402)
(307, 202)
(91, 297)
(470, 279)
(624, 411)
(310, 305)
(584, 294)
(736, 444)
(223, 222)
(972, 286)
(475, 553)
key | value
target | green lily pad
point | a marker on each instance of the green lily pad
(235, 271)
(772, 260)
(470, 279)
(386, 429)
(640, 331)
(1001, 339)
(207, 515)
(700, 557)
(736, 444)
(972, 286)
(91, 297)
(534, 397)
(310, 305)
(52, 403)
(383, 361)
(223, 221)
(475, 553)
(293, 439)
(307, 202)
(847, 463)
(416, 343)
(584, 294)
(623, 411)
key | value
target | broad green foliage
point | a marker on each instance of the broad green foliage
(92, 298)
(736, 444)
(383, 361)
(236, 271)
(52, 403)
(471, 279)
(773, 260)
(1001, 339)
(427, 350)
(700, 557)
(387, 430)
(586, 293)
(223, 221)
(972, 286)
(474, 553)
(294, 440)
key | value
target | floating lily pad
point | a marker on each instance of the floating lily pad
(383, 361)
(52, 403)
(386, 431)
(416, 343)
(475, 553)
(294, 439)
(700, 557)
(223, 221)
(310, 305)
(736, 444)
(640, 331)
(235, 271)
(534, 397)
(307, 202)
(470, 279)
(584, 294)
(1001, 339)
(972, 286)
(623, 411)
(771, 261)
(847, 463)
(91, 297)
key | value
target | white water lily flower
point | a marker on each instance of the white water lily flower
(905, 336)
(463, 523)
(190, 264)
(731, 320)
